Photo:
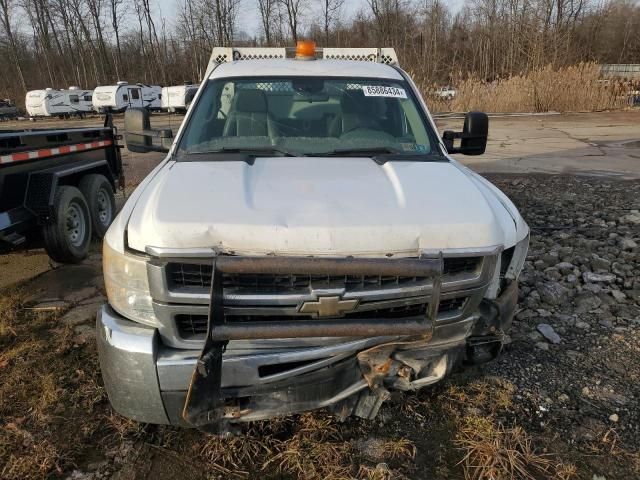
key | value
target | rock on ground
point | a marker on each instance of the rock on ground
(549, 333)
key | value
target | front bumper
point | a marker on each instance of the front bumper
(148, 381)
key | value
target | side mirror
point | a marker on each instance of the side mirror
(473, 138)
(139, 135)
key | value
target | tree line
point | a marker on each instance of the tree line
(58, 43)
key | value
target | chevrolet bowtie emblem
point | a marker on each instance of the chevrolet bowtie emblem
(328, 307)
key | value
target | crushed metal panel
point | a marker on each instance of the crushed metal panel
(204, 404)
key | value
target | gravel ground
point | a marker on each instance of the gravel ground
(566, 384)
(575, 341)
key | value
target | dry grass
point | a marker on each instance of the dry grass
(307, 447)
(489, 449)
(379, 472)
(400, 449)
(497, 452)
(46, 384)
(568, 89)
(10, 305)
(488, 394)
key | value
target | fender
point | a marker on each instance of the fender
(42, 185)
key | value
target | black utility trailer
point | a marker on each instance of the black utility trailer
(59, 184)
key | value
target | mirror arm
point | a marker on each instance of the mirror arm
(156, 148)
(154, 133)
(163, 135)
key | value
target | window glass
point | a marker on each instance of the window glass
(135, 94)
(74, 98)
(308, 115)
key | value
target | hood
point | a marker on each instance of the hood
(318, 206)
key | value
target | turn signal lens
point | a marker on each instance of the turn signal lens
(306, 49)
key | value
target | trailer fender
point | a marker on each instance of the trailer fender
(42, 185)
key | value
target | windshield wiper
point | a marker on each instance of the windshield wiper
(381, 155)
(253, 151)
(356, 152)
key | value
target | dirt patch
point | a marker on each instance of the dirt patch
(567, 408)
(22, 265)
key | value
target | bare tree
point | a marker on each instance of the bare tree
(267, 10)
(116, 14)
(330, 13)
(6, 12)
(293, 10)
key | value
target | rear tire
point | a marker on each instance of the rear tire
(102, 203)
(67, 238)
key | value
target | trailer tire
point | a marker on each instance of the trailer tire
(68, 237)
(102, 203)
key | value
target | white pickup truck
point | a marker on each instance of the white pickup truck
(307, 242)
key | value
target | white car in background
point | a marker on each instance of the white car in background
(447, 92)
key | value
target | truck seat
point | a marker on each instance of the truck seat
(249, 116)
(356, 111)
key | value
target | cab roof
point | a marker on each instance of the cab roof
(311, 68)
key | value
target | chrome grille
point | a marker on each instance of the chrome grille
(192, 325)
(182, 275)
(180, 287)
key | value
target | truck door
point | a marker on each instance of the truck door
(135, 97)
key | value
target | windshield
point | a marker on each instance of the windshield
(307, 116)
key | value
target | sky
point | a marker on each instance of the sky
(249, 19)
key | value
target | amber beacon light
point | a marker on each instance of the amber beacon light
(306, 50)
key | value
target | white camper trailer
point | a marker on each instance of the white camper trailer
(119, 97)
(178, 98)
(60, 103)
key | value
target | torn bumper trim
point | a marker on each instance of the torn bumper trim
(340, 387)
(147, 381)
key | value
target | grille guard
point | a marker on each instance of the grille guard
(219, 330)
(204, 407)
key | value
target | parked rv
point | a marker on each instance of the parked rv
(7, 110)
(61, 103)
(178, 98)
(119, 97)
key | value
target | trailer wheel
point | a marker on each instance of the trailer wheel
(67, 238)
(102, 203)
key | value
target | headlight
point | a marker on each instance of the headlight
(125, 278)
(515, 263)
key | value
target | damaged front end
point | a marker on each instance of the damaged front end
(403, 353)
(241, 339)
(207, 404)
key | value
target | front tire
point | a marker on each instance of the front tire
(102, 203)
(67, 238)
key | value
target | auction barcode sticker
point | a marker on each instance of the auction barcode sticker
(382, 91)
